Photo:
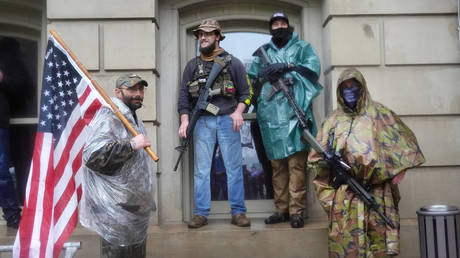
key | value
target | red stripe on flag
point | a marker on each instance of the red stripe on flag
(65, 233)
(69, 190)
(28, 213)
(47, 206)
(76, 130)
(85, 94)
(91, 111)
(79, 193)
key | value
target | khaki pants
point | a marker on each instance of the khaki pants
(289, 183)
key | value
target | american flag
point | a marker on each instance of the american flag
(68, 104)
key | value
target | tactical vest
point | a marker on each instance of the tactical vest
(223, 85)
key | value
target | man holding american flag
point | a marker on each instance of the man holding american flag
(118, 176)
(84, 152)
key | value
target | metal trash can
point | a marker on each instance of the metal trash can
(439, 231)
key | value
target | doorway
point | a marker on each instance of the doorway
(21, 37)
(241, 42)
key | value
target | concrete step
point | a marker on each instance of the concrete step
(221, 239)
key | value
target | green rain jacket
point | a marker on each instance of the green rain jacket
(279, 126)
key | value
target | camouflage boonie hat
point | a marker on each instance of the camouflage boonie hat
(130, 80)
(209, 25)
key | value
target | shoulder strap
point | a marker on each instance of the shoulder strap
(217, 67)
(225, 60)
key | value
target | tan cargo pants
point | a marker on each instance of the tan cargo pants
(289, 183)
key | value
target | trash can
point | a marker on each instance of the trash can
(439, 231)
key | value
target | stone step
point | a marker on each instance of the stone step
(221, 239)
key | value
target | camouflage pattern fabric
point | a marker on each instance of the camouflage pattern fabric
(378, 146)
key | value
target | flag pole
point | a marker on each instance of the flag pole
(103, 94)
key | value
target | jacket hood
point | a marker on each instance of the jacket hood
(364, 98)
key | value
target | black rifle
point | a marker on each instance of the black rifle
(340, 169)
(202, 104)
(280, 85)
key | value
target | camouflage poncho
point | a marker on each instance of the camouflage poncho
(378, 146)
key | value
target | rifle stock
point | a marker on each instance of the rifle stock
(341, 172)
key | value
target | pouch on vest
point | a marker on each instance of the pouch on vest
(194, 87)
(228, 89)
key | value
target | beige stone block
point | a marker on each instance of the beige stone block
(22, 15)
(438, 137)
(403, 88)
(229, 14)
(90, 242)
(87, 9)
(340, 7)
(421, 40)
(354, 41)
(83, 40)
(152, 135)
(428, 186)
(148, 110)
(129, 45)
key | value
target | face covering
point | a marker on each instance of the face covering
(351, 95)
(281, 36)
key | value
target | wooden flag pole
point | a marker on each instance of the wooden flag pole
(103, 94)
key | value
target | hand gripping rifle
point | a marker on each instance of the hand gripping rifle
(202, 104)
(340, 169)
(280, 85)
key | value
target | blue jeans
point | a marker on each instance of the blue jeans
(7, 192)
(208, 130)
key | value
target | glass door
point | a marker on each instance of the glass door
(257, 171)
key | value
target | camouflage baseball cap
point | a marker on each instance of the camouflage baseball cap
(130, 80)
(209, 25)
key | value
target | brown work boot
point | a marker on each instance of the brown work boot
(197, 221)
(241, 220)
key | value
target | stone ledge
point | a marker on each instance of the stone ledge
(221, 239)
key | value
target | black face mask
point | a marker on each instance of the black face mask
(281, 36)
(351, 95)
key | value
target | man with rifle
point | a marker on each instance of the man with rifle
(215, 119)
(367, 149)
(287, 70)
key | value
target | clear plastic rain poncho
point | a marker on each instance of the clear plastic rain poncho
(279, 126)
(118, 188)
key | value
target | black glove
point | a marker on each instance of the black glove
(273, 72)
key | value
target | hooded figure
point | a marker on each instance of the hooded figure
(380, 148)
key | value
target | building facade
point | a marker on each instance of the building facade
(408, 51)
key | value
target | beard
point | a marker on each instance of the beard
(207, 51)
(130, 101)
